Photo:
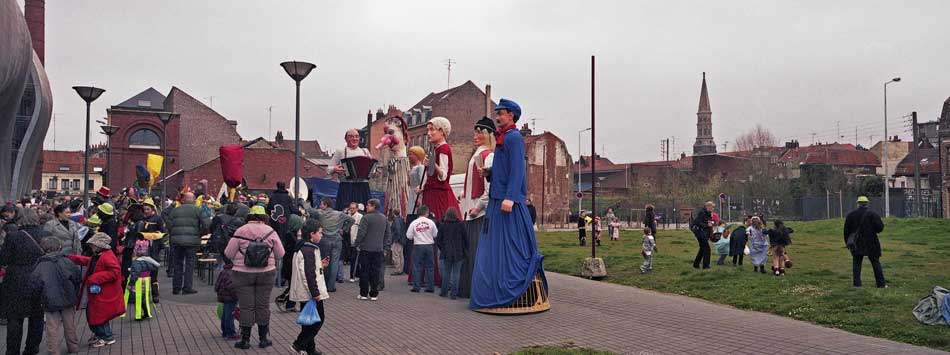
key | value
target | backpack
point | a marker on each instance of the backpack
(223, 233)
(928, 309)
(257, 253)
(224, 287)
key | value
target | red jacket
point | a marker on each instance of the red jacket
(107, 273)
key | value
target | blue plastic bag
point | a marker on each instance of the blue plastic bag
(95, 289)
(309, 314)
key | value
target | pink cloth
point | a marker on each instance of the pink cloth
(254, 231)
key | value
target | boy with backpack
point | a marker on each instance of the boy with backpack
(141, 282)
(227, 297)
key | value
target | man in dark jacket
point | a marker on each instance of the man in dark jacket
(702, 228)
(186, 224)
(279, 208)
(55, 282)
(373, 235)
(865, 224)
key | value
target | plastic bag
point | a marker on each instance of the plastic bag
(746, 251)
(309, 314)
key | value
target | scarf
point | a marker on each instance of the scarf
(500, 135)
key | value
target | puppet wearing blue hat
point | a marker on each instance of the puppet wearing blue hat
(507, 259)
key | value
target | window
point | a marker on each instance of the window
(64, 168)
(65, 184)
(145, 138)
(92, 184)
(145, 103)
(75, 184)
(51, 185)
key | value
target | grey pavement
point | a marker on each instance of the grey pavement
(600, 315)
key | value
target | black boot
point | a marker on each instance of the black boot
(262, 335)
(245, 342)
(155, 292)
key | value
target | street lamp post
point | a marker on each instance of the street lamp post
(109, 130)
(88, 94)
(297, 71)
(887, 176)
(165, 117)
(579, 169)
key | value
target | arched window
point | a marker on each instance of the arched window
(145, 138)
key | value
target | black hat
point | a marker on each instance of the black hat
(486, 123)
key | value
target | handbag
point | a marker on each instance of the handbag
(309, 314)
(851, 241)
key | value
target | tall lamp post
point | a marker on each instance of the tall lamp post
(887, 176)
(297, 71)
(165, 117)
(88, 94)
(109, 130)
(579, 170)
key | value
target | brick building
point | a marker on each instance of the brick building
(846, 158)
(264, 165)
(462, 105)
(548, 173)
(193, 137)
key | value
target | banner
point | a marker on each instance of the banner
(154, 165)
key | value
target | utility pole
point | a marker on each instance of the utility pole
(913, 116)
(448, 80)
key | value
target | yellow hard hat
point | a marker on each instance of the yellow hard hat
(863, 199)
(107, 208)
(257, 210)
(148, 201)
(94, 220)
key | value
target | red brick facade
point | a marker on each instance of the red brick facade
(463, 105)
(203, 130)
(263, 168)
(124, 157)
(548, 173)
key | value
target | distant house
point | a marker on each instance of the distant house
(62, 172)
(548, 173)
(845, 158)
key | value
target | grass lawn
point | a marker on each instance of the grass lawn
(916, 257)
(559, 350)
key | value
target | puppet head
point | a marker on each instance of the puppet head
(395, 137)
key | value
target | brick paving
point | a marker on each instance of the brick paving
(621, 319)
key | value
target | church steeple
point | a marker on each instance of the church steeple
(704, 138)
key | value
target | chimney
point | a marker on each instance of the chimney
(35, 13)
(525, 131)
(279, 138)
(791, 145)
(682, 155)
(379, 114)
(369, 118)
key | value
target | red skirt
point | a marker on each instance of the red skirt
(439, 201)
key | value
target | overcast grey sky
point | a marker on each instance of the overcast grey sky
(796, 67)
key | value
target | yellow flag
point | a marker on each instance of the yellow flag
(154, 166)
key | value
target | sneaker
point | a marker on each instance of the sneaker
(92, 340)
(297, 350)
(362, 298)
(352, 280)
(188, 292)
(416, 290)
(100, 343)
(374, 298)
(430, 291)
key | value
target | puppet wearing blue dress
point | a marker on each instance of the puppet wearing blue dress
(507, 259)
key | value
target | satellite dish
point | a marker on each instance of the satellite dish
(304, 193)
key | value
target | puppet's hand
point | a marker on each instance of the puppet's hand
(506, 205)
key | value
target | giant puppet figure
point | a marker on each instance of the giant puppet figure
(474, 198)
(392, 152)
(436, 190)
(508, 276)
(353, 177)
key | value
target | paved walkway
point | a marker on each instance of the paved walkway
(621, 319)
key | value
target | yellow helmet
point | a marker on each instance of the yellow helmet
(863, 199)
(107, 208)
(257, 210)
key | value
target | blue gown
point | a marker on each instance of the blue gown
(507, 258)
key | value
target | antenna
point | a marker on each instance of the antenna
(210, 101)
(813, 138)
(269, 120)
(534, 123)
(448, 65)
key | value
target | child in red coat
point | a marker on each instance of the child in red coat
(102, 286)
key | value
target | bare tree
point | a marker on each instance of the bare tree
(756, 137)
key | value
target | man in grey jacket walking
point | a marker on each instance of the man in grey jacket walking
(186, 224)
(373, 235)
